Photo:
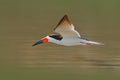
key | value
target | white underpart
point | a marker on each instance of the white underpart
(65, 41)
(73, 41)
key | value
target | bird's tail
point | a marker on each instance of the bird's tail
(95, 43)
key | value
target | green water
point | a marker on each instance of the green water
(23, 22)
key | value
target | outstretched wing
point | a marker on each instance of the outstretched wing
(65, 28)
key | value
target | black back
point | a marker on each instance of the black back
(56, 36)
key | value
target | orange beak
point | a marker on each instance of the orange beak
(43, 40)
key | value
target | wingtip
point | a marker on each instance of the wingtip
(64, 18)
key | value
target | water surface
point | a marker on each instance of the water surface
(24, 22)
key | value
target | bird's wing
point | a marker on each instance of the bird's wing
(66, 28)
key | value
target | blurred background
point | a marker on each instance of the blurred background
(23, 22)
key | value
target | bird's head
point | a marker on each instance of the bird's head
(43, 40)
(54, 38)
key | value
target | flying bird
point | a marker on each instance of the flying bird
(66, 35)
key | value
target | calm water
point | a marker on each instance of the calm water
(24, 22)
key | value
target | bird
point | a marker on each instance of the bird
(66, 35)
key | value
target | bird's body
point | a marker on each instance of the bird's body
(65, 41)
(66, 36)
(70, 41)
